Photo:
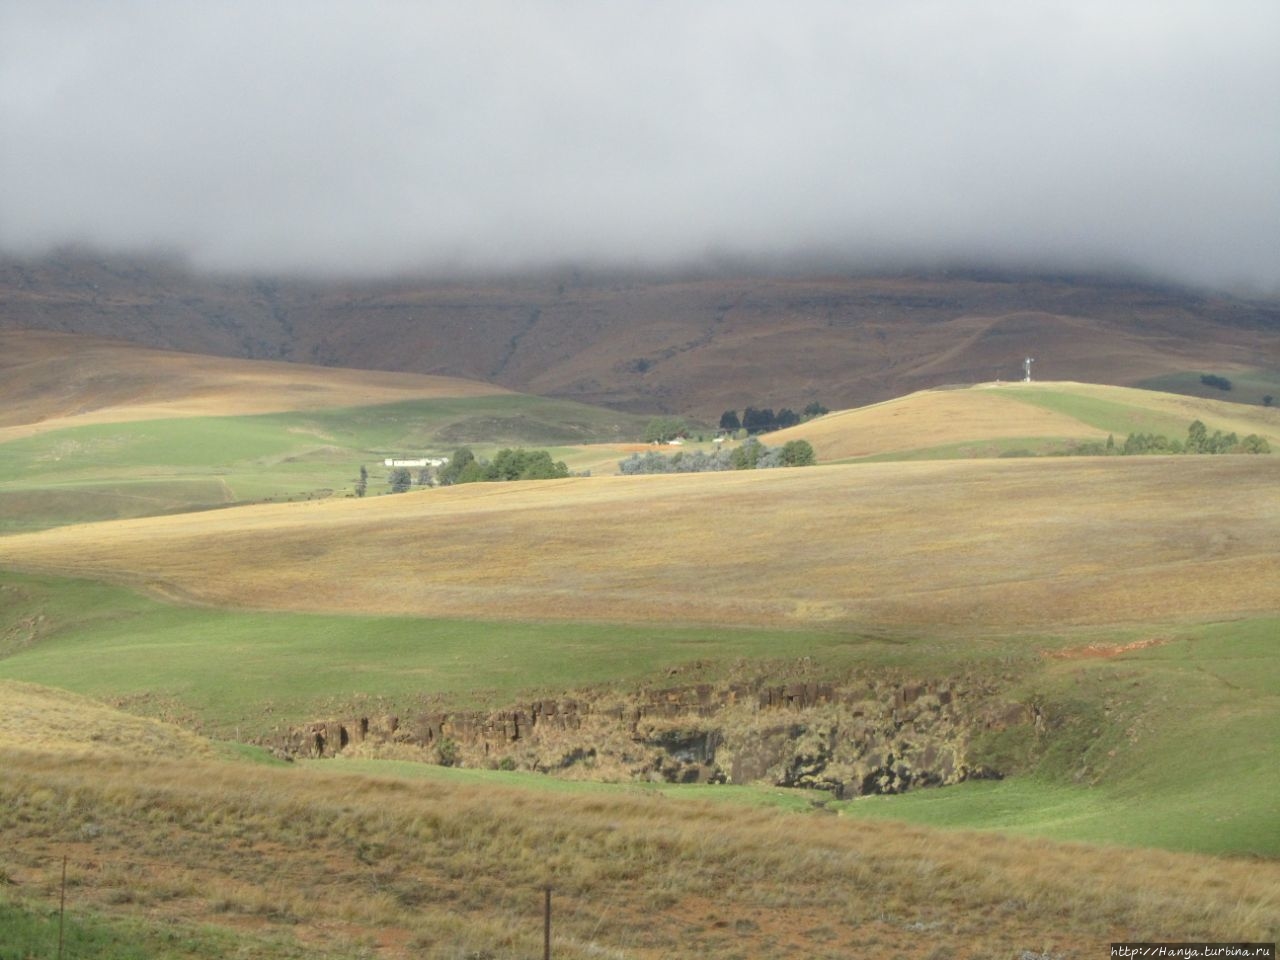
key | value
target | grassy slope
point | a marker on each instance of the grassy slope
(1177, 722)
(104, 471)
(956, 545)
(988, 420)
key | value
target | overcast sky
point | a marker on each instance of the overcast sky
(374, 136)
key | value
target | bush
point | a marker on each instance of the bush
(1213, 380)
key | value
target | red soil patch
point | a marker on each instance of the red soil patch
(1096, 651)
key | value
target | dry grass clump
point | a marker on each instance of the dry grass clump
(426, 868)
(957, 543)
(44, 720)
(109, 381)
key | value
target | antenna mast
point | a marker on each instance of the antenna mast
(1026, 367)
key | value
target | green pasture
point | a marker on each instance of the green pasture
(977, 450)
(111, 471)
(1114, 416)
(1171, 746)
(1246, 386)
(33, 931)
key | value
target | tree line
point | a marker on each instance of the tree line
(1198, 441)
(751, 454)
(764, 420)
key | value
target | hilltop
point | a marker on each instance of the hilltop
(694, 344)
(53, 381)
(991, 419)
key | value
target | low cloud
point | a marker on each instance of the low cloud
(378, 137)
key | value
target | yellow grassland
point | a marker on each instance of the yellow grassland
(49, 381)
(933, 418)
(433, 869)
(45, 720)
(994, 543)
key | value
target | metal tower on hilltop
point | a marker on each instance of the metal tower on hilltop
(1026, 369)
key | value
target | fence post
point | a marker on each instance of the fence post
(546, 926)
(62, 905)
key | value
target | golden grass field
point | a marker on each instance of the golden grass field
(44, 720)
(436, 868)
(935, 418)
(996, 543)
(49, 381)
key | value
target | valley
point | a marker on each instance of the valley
(955, 690)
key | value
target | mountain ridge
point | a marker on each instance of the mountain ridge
(694, 344)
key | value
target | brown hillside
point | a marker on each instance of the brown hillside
(960, 543)
(50, 380)
(694, 346)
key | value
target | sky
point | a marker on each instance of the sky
(366, 138)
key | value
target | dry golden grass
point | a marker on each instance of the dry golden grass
(433, 869)
(1010, 543)
(49, 381)
(931, 418)
(44, 720)
(934, 418)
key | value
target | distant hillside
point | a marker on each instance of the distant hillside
(695, 345)
(53, 381)
(990, 420)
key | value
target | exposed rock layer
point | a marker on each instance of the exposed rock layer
(863, 736)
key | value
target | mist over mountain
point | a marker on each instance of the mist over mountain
(372, 139)
(694, 342)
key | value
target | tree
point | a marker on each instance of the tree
(815, 409)
(1213, 380)
(729, 421)
(1197, 437)
(747, 454)
(362, 485)
(798, 453)
(400, 479)
(451, 472)
(786, 418)
(662, 429)
(1268, 400)
(1255, 444)
(757, 421)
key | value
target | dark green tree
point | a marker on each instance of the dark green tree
(451, 471)
(729, 421)
(798, 453)
(400, 479)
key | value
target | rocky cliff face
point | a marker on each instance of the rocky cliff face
(865, 735)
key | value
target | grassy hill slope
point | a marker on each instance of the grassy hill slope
(51, 381)
(958, 543)
(1041, 417)
(103, 430)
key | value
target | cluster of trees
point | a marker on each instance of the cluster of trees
(751, 454)
(1199, 440)
(764, 420)
(664, 429)
(507, 464)
(1213, 380)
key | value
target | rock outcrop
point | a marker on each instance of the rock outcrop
(866, 735)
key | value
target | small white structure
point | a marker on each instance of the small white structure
(415, 462)
(1026, 367)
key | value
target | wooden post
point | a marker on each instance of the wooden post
(62, 905)
(546, 927)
